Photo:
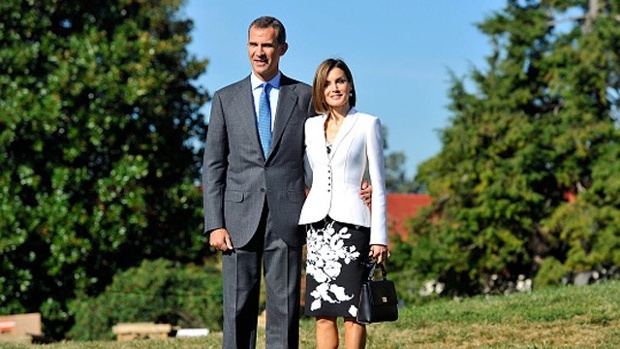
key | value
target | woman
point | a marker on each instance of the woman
(342, 232)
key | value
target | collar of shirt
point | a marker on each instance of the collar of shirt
(256, 82)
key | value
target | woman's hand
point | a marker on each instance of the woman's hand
(379, 252)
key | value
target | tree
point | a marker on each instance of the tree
(396, 180)
(525, 177)
(98, 163)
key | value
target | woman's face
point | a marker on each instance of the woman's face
(337, 89)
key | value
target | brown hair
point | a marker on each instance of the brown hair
(268, 21)
(318, 85)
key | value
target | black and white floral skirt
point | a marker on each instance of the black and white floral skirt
(335, 268)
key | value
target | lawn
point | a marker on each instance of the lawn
(565, 317)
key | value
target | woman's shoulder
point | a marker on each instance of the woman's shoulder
(314, 120)
(313, 125)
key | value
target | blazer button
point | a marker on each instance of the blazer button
(262, 190)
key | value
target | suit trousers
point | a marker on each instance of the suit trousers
(241, 276)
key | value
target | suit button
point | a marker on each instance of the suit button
(262, 190)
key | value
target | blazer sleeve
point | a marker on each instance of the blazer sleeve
(376, 170)
(214, 167)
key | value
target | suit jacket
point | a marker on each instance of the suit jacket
(237, 179)
(336, 177)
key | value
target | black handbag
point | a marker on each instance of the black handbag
(378, 301)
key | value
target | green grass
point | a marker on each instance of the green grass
(566, 317)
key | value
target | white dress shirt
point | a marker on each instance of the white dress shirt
(273, 94)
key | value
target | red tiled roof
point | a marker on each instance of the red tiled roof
(401, 207)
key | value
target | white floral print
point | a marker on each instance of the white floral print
(326, 253)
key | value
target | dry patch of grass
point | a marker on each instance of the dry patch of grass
(559, 334)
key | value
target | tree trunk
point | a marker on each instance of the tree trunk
(593, 8)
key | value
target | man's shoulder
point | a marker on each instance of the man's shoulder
(295, 84)
(285, 82)
(285, 79)
(235, 86)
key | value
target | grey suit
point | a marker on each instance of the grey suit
(258, 201)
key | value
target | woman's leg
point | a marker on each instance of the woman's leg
(354, 334)
(326, 333)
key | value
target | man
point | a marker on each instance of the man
(254, 189)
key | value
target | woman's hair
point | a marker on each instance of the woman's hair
(318, 85)
(267, 22)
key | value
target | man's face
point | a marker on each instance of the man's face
(265, 52)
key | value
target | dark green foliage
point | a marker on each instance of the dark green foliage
(396, 180)
(157, 291)
(550, 273)
(528, 171)
(98, 159)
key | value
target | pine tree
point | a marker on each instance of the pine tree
(526, 182)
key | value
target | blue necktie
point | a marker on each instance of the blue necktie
(264, 119)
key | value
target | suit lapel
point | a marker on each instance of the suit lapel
(245, 108)
(286, 103)
(345, 129)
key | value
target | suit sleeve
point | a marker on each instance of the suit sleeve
(214, 167)
(307, 164)
(376, 170)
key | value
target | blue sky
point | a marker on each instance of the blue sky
(400, 52)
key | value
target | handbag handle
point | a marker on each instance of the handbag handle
(373, 266)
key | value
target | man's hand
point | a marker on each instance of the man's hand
(366, 193)
(220, 240)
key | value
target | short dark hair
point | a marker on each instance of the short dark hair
(268, 21)
(318, 85)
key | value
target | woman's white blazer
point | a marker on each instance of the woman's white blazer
(335, 178)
